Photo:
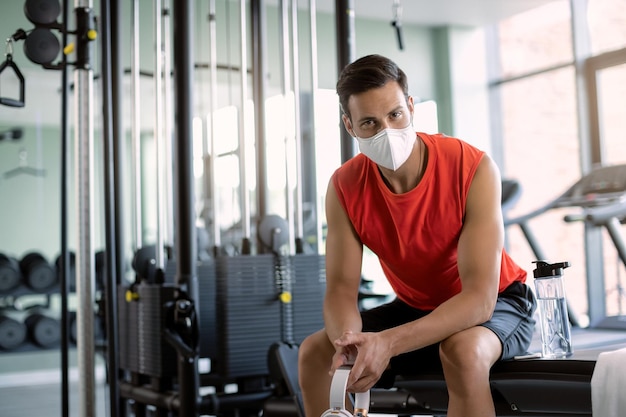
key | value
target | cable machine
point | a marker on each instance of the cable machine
(178, 310)
(211, 309)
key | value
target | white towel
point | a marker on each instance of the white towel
(608, 385)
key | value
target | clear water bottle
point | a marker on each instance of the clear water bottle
(556, 337)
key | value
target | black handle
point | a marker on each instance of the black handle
(12, 102)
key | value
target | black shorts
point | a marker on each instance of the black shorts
(512, 322)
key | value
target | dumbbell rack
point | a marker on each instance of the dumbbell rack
(28, 321)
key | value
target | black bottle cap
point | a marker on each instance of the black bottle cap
(546, 270)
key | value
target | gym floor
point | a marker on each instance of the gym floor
(44, 399)
(28, 394)
(32, 393)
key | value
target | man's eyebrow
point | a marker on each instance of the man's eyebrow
(366, 119)
(400, 107)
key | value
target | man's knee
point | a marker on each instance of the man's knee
(474, 349)
(314, 352)
(310, 347)
(314, 360)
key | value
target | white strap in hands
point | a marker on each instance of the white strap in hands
(338, 393)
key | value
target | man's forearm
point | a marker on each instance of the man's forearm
(340, 316)
(458, 313)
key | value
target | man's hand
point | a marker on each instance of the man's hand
(369, 355)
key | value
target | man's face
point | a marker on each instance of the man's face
(378, 109)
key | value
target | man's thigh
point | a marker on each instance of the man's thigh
(395, 313)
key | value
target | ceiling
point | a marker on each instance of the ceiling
(439, 12)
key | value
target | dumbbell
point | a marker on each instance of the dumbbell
(100, 265)
(73, 331)
(101, 269)
(98, 332)
(38, 273)
(10, 274)
(43, 330)
(72, 269)
(12, 332)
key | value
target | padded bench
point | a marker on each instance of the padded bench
(533, 387)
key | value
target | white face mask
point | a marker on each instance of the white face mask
(389, 148)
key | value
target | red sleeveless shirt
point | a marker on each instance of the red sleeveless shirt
(415, 234)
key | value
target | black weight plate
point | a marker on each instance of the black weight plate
(42, 12)
(41, 46)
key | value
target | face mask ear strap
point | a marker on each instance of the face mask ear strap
(347, 122)
(8, 63)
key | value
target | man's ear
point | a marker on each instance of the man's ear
(347, 124)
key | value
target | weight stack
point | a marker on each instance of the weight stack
(248, 312)
(143, 319)
(308, 286)
(127, 329)
(156, 357)
(205, 304)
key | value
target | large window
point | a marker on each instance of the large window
(607, 25)
(535, 40)
(539, 94)
(541, 151)
(610, 93)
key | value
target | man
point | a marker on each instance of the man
(429, 207)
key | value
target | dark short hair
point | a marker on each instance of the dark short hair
(366, 73)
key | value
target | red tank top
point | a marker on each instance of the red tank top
(415, 234)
